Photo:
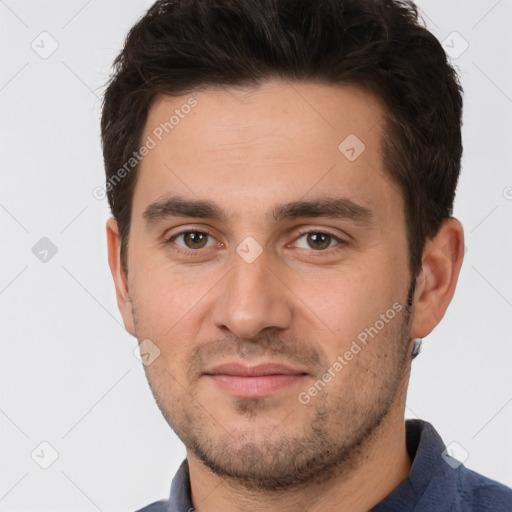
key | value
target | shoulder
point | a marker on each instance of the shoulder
(157, 506)
(440, 482)
(481, 492)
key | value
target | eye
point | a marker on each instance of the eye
(318, 241)
(193, 240)
(190, 242)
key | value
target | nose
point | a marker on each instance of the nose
(253, 298)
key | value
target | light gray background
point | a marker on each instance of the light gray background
(68, 373)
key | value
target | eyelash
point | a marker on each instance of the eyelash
(320, 253)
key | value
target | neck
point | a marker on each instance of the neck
(382, 464)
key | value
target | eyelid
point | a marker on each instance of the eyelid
(189, 229)
(325, 231)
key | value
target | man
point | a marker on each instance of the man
(281, 176)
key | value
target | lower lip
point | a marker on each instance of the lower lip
(261, 386)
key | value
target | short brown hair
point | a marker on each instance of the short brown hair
(180, 46)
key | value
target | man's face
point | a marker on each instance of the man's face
(283, 275)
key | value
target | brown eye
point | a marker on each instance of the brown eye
(193, 240)
(319, 241)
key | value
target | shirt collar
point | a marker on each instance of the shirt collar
(179, 499)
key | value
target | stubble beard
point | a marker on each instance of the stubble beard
(336, 428)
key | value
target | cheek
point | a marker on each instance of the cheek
(166, 291)
(169, 306)
(348, 301)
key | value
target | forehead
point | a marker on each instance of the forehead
(253, 147)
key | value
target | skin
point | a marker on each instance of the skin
(299, 302)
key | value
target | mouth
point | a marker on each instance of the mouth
(254, 381)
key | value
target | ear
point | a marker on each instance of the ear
(119, 275)
(442, 260)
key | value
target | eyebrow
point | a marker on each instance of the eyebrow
(338, 208)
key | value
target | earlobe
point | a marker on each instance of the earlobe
(119, 275)
(442, 261)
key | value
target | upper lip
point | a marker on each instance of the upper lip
(257, 370)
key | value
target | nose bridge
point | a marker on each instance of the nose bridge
(252, 297)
